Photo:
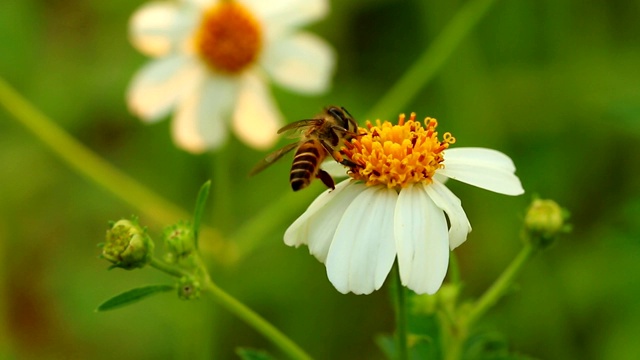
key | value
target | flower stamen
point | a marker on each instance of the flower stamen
(397, 155)
(229, 38)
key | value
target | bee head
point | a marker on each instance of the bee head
(343, 117)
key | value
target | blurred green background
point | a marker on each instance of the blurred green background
(554, 84)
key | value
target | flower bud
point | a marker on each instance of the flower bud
(179, 241)
(188, 288)
(544, 221)
(127, 245)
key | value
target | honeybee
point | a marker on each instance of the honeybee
(319, 137)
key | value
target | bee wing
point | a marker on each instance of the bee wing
(297, 125)
(271, 158)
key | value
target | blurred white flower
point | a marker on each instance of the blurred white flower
(212, 62)
(394, 205)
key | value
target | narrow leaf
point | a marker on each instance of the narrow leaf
(132, 296)
(251, 354)
(203, 194)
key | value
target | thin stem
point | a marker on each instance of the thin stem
(430, 62)
(256, 321)
(286, 207)
(500, 286)
(401, 315)
(490, 297)
(166, 268)
(236, 307)
(84, 161)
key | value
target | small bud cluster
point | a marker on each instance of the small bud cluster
(189, 288)
(179, 242)
(127, 245)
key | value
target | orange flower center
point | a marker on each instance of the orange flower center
(397, 155)
(229, 38)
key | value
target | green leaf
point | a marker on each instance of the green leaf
(132, 296)
(251, 354)
(203, 194)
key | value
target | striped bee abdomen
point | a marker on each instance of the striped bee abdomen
(305, 164)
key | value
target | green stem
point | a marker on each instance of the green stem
(401, 315)
(500, 286)
(236, 307)
(166, 268)
(89, 164)
(86, 162)
(256, 321)
(280, 211)
(430, 62)
(497, 290)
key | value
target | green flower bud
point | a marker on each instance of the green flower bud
(189, 288)
(179, 241)
(544, 222)
(127, 245)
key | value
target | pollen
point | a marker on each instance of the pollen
(397, 155)
(229, 38)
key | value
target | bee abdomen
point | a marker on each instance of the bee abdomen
(305, 165)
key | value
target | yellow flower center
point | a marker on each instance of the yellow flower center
(397, 155)
(229, 38)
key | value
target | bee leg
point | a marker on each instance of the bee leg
(349, 163)
(337, 156)
(326, 179)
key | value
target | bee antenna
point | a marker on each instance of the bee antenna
(345, 110)
(336, 112)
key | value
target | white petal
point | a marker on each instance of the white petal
(363, 249)
(447, 201)
(256, 119)
(302, 62)
(484, 168)
(297, 233)
(334, 168)
(421, 240)
(157, 28)
(440, 178)
(202, 116)
(474, 155)
(281, 15)
(322, 226)
(156, 87)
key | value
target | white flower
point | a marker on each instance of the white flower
(212, 61)
(394, 206)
